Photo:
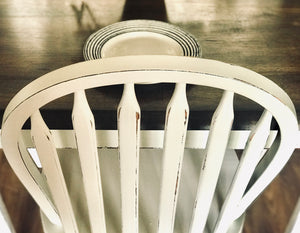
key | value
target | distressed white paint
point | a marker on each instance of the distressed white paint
(177, 114)
(196, 139)
(43, 198)
(129, 133)
(249, 159)
(147, 69)
(216, 145)
(85, 135)
(51, 168)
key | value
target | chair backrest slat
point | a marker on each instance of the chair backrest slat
(174, 141)
(82, 171)
(85, 134)
(42, 198)
(129, 135)
(251, 156)
(45, 147)
(216, 146)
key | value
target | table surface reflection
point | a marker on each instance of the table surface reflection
(37, 37)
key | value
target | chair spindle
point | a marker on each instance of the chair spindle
(45, 147)
(216, 146)
(45, 204)
(129, 136)
(176, 122)
(251, 156)
(84, 127)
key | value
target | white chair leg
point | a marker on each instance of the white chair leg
(294, 223)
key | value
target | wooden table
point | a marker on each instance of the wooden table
(37, 37)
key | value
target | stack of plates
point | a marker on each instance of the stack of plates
(140, 37)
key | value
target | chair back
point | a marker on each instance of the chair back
(51, 191)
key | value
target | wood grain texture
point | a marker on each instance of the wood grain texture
(36, 38)
(272, 210)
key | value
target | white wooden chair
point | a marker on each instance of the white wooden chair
(147, 193)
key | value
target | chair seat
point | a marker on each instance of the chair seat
(150, 176)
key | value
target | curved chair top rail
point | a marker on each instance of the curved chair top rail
(197, 71)
(147, 70)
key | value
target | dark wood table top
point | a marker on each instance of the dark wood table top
(37, 37)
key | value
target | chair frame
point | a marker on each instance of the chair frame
(135, 70)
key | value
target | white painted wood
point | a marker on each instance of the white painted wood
(250, 158)
(51, 168)
(176, 122)
(149, 179)
(196, 139)
(129, 116)
(149, 69)
(44, 198)
(216, 146)
(294, 222)
(84, 128)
